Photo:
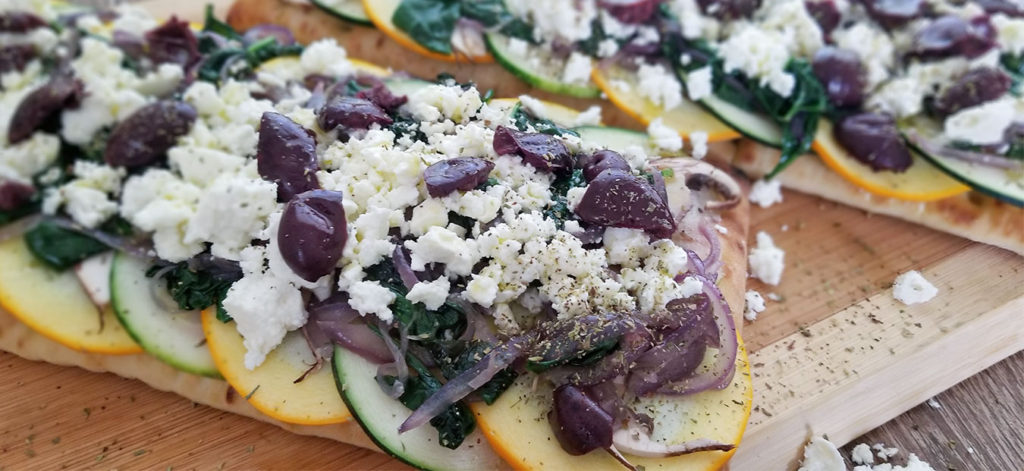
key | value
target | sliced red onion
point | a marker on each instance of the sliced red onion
(404, 269)
(19, 227)
(283, 35)
(468, 381)
(714, 259)
(336, 321)
(632, 346)
(979, 158)
(636, 443)
(468, 38)
(134, 247)
(398, 364)
(720, 373)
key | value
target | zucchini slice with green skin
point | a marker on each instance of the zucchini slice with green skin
(348, 10)
(545, 74)
(1003, 184)
(379, 415)
(406, 86)
(173, 336)
(751, 124)
(616, 139)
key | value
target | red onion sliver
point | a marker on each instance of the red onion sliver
(18, 227)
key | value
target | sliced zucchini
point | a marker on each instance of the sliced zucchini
(1003, 184)
(406, 86)
(920, 182)
(622, 87)
(348, 10)
(538, 68)
(56, 305)
(517, 426)
(753, 125)
(272, 388)
(380, 415)
(148, 313)
(380, 13)
(616, 139)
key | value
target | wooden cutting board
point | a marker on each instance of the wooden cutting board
(835, 355)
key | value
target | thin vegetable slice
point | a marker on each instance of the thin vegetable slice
(348, 10)
(56, 305)
(284, 387)
(622, 88)
(380, 13)
(920, 182)
(1006, 184)
(540, 71)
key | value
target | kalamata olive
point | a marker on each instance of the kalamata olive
(579, 422)
(314, 81)
(144, 137)
(283, 35)
(313, 233)
(729, 9)
(973, 88)
(951, 35)
(894, 13)
(133, 45)
(20, 22)
(1006, 7)
(825, 13)
(173, 42)
(349, 112)
(600, 161)
(619, 199)
(380, 95)
(286, 155)
(62, 91)
(842, 74)
(874, 140)
(15, 57)
(13, 194)
(543, 151)
(631, 11)
(461, 173)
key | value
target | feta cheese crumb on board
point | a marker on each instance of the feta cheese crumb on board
(912, 288)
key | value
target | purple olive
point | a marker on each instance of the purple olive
(874, 140)
(825, 13)
(143, 138)
(380, 95)
(543, 151)
(283, 35)
(842, 74)
(15, 57)
(894, 13)
(313, 233)
(349, 112)
(579, 422)
(729, 9)
(600, 161)
(953, 36)
(13, 194)
(286, 155)
(619, 199)
(173, 42)
(62, 91)
(1006, 7)
(133, 45)
(461, 173)
(973, 88)
(631, 11)
(20, 22)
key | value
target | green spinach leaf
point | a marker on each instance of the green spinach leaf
(454, 424)
(430, 23)
(61, 248)
(521, 119)
(559, 210)
(194, 290)
(471, 355)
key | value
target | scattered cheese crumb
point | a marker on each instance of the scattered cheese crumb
(883, 452)
(766, 260)
(721, 229)
(699, 144)
(934, 404)
(821, 455)
(755, 305)
(765, 193)
(774, 297)
(698, 84)
(664, 137)
(862, 454)
(912, 288)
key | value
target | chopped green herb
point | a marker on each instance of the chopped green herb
(195, 290)
(430, 23)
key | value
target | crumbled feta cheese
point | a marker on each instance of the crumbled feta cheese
(791, 18)
(441, 245)
(899, 97)
(159, 202)
(885, 452)
(325, 57)
(874, 47)
(1010, 33)
(862, 454)
(590, 117)
(626, 247)
(133, 19)
(821, 455)
(721, 229)
(432, 294)
(481, 290)
(85, 198)
(569, 20)
(659, 85)
(577, 68)
(437, 102)
(699, 144)
(27, 158)
(691, 286)
(755, 305)
(766, 260)
(698, 84)
(982, 124)
(430, 213)
(607, 47)
(518, 46)
(765, 193)
(692, 20)
(761, 55)
(934, 404)
(664, 137)
(912, 288)
(369, 297)
(231, 213)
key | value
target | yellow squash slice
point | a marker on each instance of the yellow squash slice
(271, 387)
(517, 427)
(56, 305)
(921, 182)
(380, 13)
(621, 87)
